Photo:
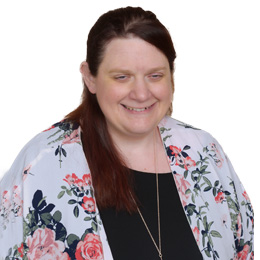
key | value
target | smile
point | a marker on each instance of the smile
(136, 109)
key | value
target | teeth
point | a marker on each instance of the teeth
(136, 109)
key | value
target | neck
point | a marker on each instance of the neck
(134, 143)
(138, 152)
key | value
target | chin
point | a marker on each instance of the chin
(141, 130)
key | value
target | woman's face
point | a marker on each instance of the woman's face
(133, 87)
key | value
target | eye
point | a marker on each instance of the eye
(155, 76)
(121, 77)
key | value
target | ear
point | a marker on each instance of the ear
(88, 78)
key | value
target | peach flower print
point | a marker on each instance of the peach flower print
(182, 186)
(239, 227)
(88, 204)
(218, 158)
(71, 179)
(242, 255)
(20, 250)
(252, 256)
(90, 248)
(42, 245)
(74, 180)
(84, 182)
(17, 201)
(175, 150)
(196, 234)
(220, 197)
(87, 179)
(6, 204)
(72, 138)
(188, 162)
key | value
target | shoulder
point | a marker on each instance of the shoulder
(185, 142)
(59, 134)
(51, 141)
(171, 128)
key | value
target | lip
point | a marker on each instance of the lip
(138, 109)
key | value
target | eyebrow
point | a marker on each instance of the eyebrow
(118, 70)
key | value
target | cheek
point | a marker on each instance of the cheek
(108, 97)
(165, 93)
(108, 93)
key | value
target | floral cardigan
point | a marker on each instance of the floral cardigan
(48, 208)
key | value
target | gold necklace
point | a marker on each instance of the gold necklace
(158, 247)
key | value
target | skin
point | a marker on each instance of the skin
(134, 90)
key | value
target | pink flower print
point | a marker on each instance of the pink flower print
(74, 180)
(87, 179)
(239, 227)
(242, 255)
(20, 250)
(72, 138)
(182, 185)
(26, 171)
(71, 179)
(220, 197)
(80, 184)
(42, 245)
(16, 194)
(6, 204)
(188, 162)
(175, 150)
(90, 248)
(84, 182)
(196, 234)
(218, 158)
(17, 202)
(88, 204)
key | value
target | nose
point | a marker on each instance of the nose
(140, 90)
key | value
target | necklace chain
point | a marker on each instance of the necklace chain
(158, 247)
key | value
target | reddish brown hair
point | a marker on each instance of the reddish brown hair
(111, 179)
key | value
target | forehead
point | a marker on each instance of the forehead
(132, 53)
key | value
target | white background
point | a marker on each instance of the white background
(217, 75)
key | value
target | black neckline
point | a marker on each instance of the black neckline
(150, 173)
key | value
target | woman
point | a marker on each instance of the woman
(119, 178)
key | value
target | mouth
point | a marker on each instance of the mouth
(137, 109)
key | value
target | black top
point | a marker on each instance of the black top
(127, 236)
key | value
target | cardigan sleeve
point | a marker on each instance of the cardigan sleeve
(12, 201)
(11, 212)
(244, 236)
(216, 204)
(242, 214)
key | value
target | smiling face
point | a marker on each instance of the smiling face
(133, 86)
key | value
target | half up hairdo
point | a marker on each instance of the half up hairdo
(112, 180)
